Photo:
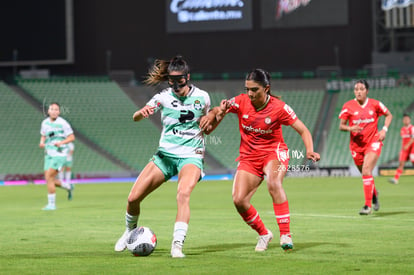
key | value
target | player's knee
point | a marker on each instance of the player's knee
(366, 172)
(183, 196)
(49, 178)
(240, 201)
(132, 200)
(274, 186)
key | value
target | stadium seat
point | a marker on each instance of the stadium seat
(101, 111)
(20, 151)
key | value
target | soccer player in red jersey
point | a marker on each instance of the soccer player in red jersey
(366, 142)
(407, 147)
(262, 152)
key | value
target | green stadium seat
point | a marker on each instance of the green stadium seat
(19, 142)
(101, 111)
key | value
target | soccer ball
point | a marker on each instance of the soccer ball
(141, 241)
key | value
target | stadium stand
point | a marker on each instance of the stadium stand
(20, 135)
(306, 104)
(224, 142)
(101, 111)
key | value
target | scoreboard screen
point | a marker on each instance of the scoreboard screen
(201, 16)
(36, 32)
(303, 13)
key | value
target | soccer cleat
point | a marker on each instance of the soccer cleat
(375, 201)
(393, 181)
(49, 207)
(70, 190)
(177, 249)
(365, 210)
(121, 243)
(286, 242)
(264, 241)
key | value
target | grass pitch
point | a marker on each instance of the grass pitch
(329, 235)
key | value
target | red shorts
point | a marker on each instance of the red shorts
(359, 155)
(256, 166)
(407, 155)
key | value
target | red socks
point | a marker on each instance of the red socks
(252, 218)
(282, 217)
(369, 188)
(398, 174)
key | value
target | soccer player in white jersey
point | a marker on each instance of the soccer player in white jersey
(65, 174)
(55, 133)
(181, 146)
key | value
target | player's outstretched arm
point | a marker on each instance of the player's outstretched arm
(142, 113)
(210, 121)
(307, 139)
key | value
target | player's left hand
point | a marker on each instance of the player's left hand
(381, 135)
(205, 123)
(313, 156)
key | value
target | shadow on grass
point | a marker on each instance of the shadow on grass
(385, 214)
(219, 247)
(230, 246)
(301, 246)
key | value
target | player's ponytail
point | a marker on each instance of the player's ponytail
(158, 73)
(161, 68)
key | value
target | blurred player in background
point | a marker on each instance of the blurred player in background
(55, 133)
(359, 116)
(181, 146)
(65, 174)
(262, 152)
(407, 147)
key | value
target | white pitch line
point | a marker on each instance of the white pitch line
(325, 216)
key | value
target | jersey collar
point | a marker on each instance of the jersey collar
(264, 105)
(182, 98)
(363, 105)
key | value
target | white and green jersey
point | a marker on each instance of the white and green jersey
(181, 135)
(55, 131)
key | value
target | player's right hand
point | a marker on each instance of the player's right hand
(313, 156)
(356, 129)
(146, 111)
(224, 105)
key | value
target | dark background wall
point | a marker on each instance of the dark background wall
(135, 33)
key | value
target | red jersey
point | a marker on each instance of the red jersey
(407, 133)
(261, 131)
(365, 116)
